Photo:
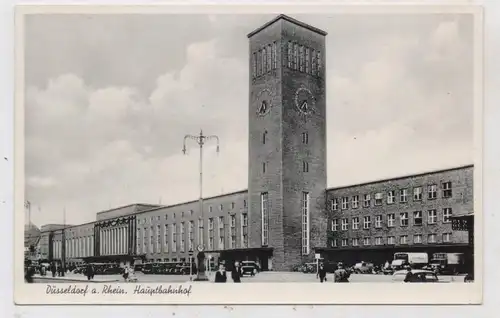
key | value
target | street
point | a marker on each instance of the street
(264, 277)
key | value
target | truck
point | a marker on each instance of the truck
(447, 263)
(415, 260)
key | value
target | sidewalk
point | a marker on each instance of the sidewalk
(72, 278)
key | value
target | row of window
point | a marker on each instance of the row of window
(404, 220)
(391, 197)
(305, 166)
(304, 59)
(265, 60)
(157, 218)
(170, 237)
(391, 240)
(75, 247)
(304, 135)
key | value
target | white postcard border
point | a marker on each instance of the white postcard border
(255, 293)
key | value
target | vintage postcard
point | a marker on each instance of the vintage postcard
(294, 155)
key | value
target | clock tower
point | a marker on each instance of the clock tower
(287, 142)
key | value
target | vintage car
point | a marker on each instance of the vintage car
(419, 276)
(249, 268)
(363, 268)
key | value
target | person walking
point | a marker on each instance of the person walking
(126, 273)
(236, 273)
(220, 275)
(321, 273)
(341, 275)
(409, 278)
(89, 271)
(53, 269)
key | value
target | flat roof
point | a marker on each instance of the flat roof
(129, 205)
(289, 19)
(400, 177)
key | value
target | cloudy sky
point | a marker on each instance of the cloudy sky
(110, 98)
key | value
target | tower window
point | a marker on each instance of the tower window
(264, 61)
(295, 55)
(259, 63)
(264, 137)
(275, 55)
(254, 65)
(269, 58)
(301, 58)
(307, 61)
(305, 138)
(264, 199)
(318, 57)
(313, 62)
(290, 55)
(305, 166)
(264, 167)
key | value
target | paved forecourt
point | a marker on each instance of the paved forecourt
(264, 277)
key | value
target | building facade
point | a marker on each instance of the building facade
(287, 215)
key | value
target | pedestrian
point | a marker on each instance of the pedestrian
(321, 273)
(125, 273)
(220, 275)
(236, 273)
(409, 278)
(89, 271)
(341, 275)
(53, 269)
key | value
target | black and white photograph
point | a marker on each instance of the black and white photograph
(253, 148)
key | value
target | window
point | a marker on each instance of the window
(431, 216)
(210, 209)
(301, 58)
(378, 240)
(305, 223)
(264, 61)
(259, 63)
(355, 201)
(264, 167)
(269, 58)
(244, 203)
(355, 242)
(221, 207)
(378, 198)
(366, 222)
(403, 195)
(275, 56)
(305, 138)
(432, 191)
(264, 137)
(447, 193)
(344, 242)
(378, 221)
(232, 205)
(391, 218)
(335, 225)
(417, 218)
(165, 238)
(431, 238)
(305, 166)
(403, 218)
(367, 200)
(313, 62)
(200, 231)
(220, 222)
(345, 203)
(355, 223)
(232, 220)
(174, 238)
(446, 237)
(295, 56)
(254, 65)
(333, 243)
(318, 58)
(144, 239)
(290, 55)
(366, 241)
(151, 237)
(307, 69)
(417, 239)
(447, 215)
(390, 197)
(345, 224)
(264, 198)
(335, 204)
(403, 239)
(417, 194)
(211, 233)
(191, 212)
(158, 239)
(181, 236)
(244, 230)
(391, 240)
(191, 236)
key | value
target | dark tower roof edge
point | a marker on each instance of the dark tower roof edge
(289, 19)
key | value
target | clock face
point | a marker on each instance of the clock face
(304, 100)
(264, 102)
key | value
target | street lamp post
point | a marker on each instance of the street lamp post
(201, 140)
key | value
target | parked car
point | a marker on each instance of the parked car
(363, 268)
(419, 276)
(249, 267)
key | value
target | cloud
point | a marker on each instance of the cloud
(399, 102)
